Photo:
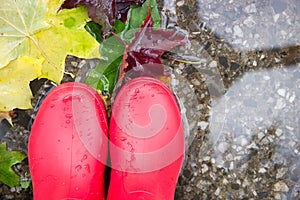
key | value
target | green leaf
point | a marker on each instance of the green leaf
(137, 17)
(94, 29)
(104, 76)
(8, 159)
(25, 184)
(119, 26)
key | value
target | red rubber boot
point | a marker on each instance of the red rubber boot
(147, 142)
(68, 145)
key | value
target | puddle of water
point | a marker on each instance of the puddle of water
(241, 99)
(258, 24)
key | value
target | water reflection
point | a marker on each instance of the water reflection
(259, 24)
(254, 129)
(245, 137)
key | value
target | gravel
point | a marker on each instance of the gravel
(240, 101)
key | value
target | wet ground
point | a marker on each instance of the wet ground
(240, 96)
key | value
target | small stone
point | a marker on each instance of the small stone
(250, 8)
(262, 170)
(225, 181)
(235, 186)
(206, 158)
(278, 132)
(277, 60)
(266, 78)
(249, 22)
(13, 189)
(204, 168)
(280, 104)
(280, 186)
(281, 172)
(188, 188)
(234, 66)
(222, 147)
(180, 3)
(203, 125)
(281, 92)
(217, 192)
(254, 63)
(260, 135)
(237, 31)
(262, 57)
(276, 17)
(277, 196)
(292, 98)
(262, 195)
(228, 30)
(213, 64)
(289, 128)
(231, 166)
(75, 64)
(243, 141)
(223, 61)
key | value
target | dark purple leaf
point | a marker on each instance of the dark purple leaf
(144, 52)
(104, 12)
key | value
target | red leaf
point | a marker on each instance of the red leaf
(104, 12)
(142, 55)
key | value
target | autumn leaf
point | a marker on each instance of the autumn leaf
(33, 29)
(105, 75)
(14, 82)
(136, 18)
(143, 54)
(7, 160)
(104, 12)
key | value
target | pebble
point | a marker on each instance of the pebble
(281, 92)
(276, 17)
(292, 98)
(180, 3)
(278, 132)
(213, 64)
(280, 186)
(217, 192)
(206, 158)
(204, 168)
(250, 8)
(222, 147)
(249, 22)
(260, 135)
(254, 63)
(281, 172)
(280, 104)
(203, 124)
(237, 31)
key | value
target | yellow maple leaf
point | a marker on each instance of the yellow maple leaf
(35, 29)
(14, 82)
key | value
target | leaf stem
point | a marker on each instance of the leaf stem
(119, 38)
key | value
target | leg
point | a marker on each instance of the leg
(147, 142)
(68, 145)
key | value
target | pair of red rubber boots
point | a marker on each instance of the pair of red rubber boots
(70, 143)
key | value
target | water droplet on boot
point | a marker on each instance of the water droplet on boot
(78, 168)
(67, 98)
(68, 116)
(87, 168)
(84, 157)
